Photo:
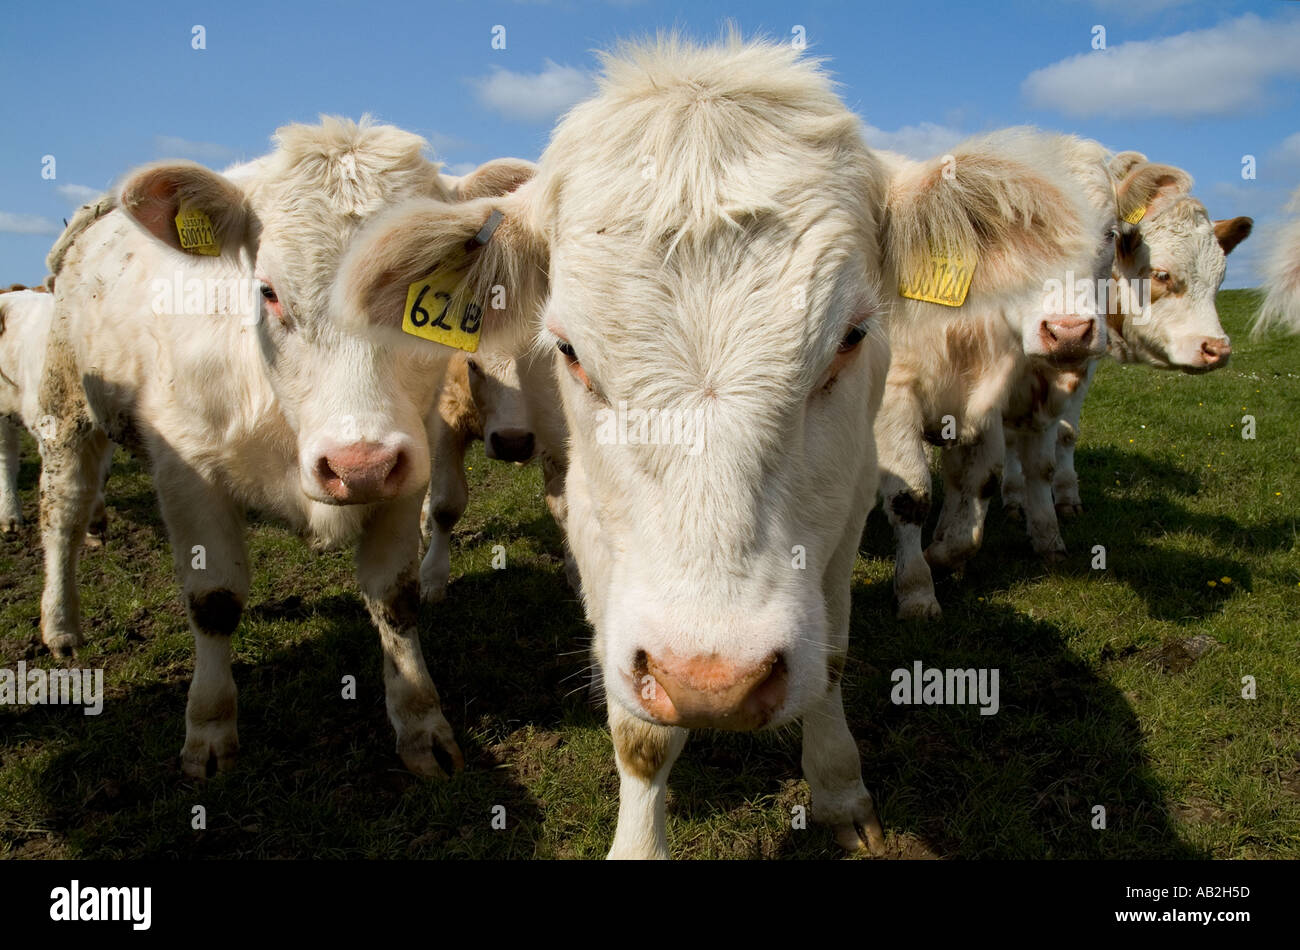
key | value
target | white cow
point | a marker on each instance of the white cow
(1281, 307)
(1169, 264)
(954, 364)
(25, 316)
(714, 251)
(195, 323)
(504, 395)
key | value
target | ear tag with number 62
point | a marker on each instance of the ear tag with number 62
(438, 306)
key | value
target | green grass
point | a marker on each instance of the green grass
(1100, 703)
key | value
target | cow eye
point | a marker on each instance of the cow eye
(851, 339)
(571, 357)
(272, 300)
(1160, 275)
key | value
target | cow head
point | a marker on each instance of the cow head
(706, 251)
(1168, 267)
(499, 375)
(290, 222)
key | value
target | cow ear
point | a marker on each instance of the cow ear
(214, 207)
(491, 179)
(1232, 231)
(1148, 187)
(482, 248)
(1124, 162)
(998, 221)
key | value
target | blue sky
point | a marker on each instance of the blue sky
(1194, 83)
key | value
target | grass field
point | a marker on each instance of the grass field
(1119, 687)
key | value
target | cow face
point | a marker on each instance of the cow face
(499, 375)
(1069, 328)
(1178, 255)
(290, 222)
(1168, 268)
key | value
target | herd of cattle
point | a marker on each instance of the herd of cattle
(708, 236)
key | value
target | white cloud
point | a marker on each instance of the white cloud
(28, 224)
(1288, 151)
(534, 97)
(169, 146)
(1211, 72)
(78, 194)
(923, 140)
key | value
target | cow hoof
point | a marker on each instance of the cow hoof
(920, 609)
(1068, 509)
(1054, 556)
(424, 762)
(93, 542)
(863, 832)
(427, 745)
(205, 755)
(63, 644)
(11, 524)
(432, 593)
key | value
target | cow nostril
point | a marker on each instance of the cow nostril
(512, 445)
(397, 474)
(324, 472)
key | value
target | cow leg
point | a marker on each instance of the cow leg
(387, 562)
(553, 472)
(206, 528)
(444, 506)
(1065, 482)
(905, 491)
(1040, 514)
(11, 508)
(644, 754)
(1013, 474)
(834, 773)
(71, 456)
(98, 528)
(970, 475)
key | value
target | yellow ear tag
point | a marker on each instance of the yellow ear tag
(437, 307)
(195, 231)
(1136, 215)
(946, 281)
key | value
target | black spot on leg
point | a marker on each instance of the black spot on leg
(990, 485)
(401, 608)
(910, 508)
(216, 611)
(446, 518)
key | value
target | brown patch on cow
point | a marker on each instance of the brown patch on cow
(1232, 231)
(641, 746)
(456, 402)
(216, 612)
(910, 508)
(400, 607)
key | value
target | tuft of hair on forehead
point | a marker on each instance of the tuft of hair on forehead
(683, 139)
(356, 167)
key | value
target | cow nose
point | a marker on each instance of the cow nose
(710, 691)
(1215, 352)
(362, 472)
(511, 445)
(1068, 338)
